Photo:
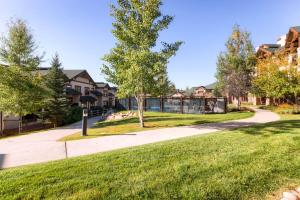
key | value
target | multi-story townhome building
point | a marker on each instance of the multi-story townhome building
(80, 87)
(202, 91)
(196, 92)
(287, 45)
(81, 90)
(108, 94)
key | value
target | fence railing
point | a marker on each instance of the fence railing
(177, 105)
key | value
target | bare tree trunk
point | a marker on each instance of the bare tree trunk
(20, 123)
(1, 123)
(140, 102)
(239, 103)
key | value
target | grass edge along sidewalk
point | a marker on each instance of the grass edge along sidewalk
(155, 120)
(246, 163)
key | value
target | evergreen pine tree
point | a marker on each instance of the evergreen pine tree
(57, 104)
(21, 87)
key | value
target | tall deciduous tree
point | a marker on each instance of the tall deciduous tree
(236, 65)
(276, 78)
(133, 64)
(21, 88)
(57, 104)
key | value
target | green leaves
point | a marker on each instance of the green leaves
(272, 82)
(19, 48)
(236, 65)
(56, 102)
(21, 87)
(132, 64)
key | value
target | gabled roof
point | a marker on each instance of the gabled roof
(270, 47)
(297, 28)
(102, 84)
(69, 73)
(265, 50)
(114, 88)
(181, 93)
(45, 70)
(195, 88)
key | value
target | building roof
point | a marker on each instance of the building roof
(271, 47)
(114, 88)
(102, 84)
(201, 86)
(71, 73)
(297, 28)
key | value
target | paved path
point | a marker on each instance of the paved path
(37, 147)
(41, 147)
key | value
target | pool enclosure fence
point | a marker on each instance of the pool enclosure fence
(177, 105)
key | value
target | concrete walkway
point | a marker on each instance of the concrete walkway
(37, 147)
(41, 147)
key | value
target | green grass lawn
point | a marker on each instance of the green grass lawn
(23, 133)
(154, 120)
(246, 163)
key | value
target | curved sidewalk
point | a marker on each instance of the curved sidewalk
(41, 147)
(108, 143)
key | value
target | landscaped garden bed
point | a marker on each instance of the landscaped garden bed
(283, 108)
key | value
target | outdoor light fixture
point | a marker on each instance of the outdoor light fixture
(84, 122)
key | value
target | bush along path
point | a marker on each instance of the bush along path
(42, 147)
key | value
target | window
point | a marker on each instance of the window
(105, 103)
(86, 91)
(78, 88)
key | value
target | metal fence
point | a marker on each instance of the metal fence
(177, 105)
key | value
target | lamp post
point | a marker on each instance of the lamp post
(84, 122)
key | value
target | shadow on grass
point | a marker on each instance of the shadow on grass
(115, 122)
(194, 121)
(274, 128)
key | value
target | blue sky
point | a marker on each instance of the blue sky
(80, 31)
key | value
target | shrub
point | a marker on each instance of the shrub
(283, 108)
(73, 115)
(233, 108)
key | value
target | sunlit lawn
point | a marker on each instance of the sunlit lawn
(154, 120)
(256, 162)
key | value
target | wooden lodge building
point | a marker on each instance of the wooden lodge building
(196, 92)
(81, 90)
(287, 45)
